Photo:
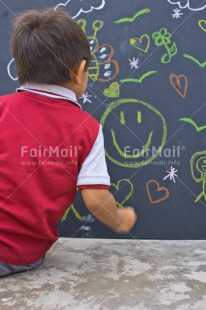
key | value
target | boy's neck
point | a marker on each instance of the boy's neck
(71, 86)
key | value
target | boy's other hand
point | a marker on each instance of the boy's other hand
(127, 217)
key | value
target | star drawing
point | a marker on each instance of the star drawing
(171, 174)
(177, 13)
(134, 63)
(85, 97)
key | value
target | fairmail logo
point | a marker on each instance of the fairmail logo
(174, 152)
(50, 151)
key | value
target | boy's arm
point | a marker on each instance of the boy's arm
(102, 205)
(94, 181)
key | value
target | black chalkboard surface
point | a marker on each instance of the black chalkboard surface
(147, 87)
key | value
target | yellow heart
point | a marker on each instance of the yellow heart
(130, 193)
(202, 24)
(139, 43)
(113, 90)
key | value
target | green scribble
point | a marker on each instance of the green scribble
(200, 64)
(199, 167)
(76, 213)
(190, 121)
(130, 20)
(163, 38)
(140, 80)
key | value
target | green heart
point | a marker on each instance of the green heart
(117, 187)
(202, 24)
(113, 90)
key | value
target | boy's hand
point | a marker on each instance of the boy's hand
(127, 218)
(102, 205)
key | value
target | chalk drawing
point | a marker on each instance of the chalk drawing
(82, 6)
(142, 43)
(200, 64)
(134, 63)
(190, 121)
(202, 24)
(163, 38)
(177, 13)
(132, 19)
(171, 174)
(198, 166)
(113, 91)
(139, 154)
(118, 187)
(76, 213)
(180, 84)
(140, 80)
(183, 4)
(86, 97)
(153, 185)
(139, 117)
(86, 229)
(122, 118)
(9, 68)
(102, 67)
(135, 159)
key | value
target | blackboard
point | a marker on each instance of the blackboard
(148, 89)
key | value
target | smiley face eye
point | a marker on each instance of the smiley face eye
(139, 117)
(122, 119)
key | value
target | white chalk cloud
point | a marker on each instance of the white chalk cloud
(193, 5)
(76, 7)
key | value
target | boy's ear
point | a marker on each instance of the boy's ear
(78, 74)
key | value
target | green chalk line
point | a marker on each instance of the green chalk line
(130, 20)
(140, 79)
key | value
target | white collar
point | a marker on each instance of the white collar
(52, 91)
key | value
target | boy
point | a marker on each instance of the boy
(48, 145)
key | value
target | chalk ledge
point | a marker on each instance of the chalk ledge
(81, 274)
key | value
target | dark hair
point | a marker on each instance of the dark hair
(48, 47)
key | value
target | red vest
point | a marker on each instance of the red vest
(43, 143)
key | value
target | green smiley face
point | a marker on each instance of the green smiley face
(135, 132)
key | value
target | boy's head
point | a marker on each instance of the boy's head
(48, 47)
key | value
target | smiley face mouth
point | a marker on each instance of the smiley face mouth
(144, 149)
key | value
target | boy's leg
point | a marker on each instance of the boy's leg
(6, 269)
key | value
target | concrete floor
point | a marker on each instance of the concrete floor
(97, 274)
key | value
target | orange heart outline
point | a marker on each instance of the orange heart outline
(177, 79)
(159, 189)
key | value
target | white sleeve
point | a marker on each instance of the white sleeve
(94, 168)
